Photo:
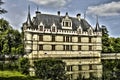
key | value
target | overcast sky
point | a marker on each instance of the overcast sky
(107, 10)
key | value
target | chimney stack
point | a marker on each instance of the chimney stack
(78, 16)
(66, 13)
(58, 13)
(38, 12)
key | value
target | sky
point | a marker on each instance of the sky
(108, 11)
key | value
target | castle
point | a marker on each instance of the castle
(71, 39)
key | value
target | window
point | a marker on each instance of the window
(66, 24)
(79, 31)
(79, 67)
(64, 47)
(63, 38)
(53, 47)
(53, 38)
(41, 28)
(67, 38)
(53, 29)
(67, 47)
(69, 68)
(40, 47)
(79, 48)
(90, 47)
(90, 32)
(90, 40)
(90, 67)
(40, 37)
(79, 39)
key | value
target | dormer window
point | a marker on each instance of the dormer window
(90, 31)
(79, 30)
(53, 28)
(66, 22)
(41, 27)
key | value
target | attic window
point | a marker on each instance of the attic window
(53, 29)
(79, 31)
(67, 23)
(90, 32)
(41, 28)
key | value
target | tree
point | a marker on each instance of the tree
(52, 69)
(117, 45)
(10, 39)
(105, 39)
(109, 44)
(24, 65)
(2, 11)
(4, 25)
(111, 69)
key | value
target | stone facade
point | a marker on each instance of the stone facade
(70, 38)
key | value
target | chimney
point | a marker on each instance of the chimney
(78, 16)
(38, 13)
(58, 13)
(66, 13)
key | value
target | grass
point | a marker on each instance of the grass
(11, 74)
(15, 75)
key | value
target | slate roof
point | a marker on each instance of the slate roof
(97, 28)
(48, 20)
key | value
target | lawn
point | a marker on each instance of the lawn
(14, 75)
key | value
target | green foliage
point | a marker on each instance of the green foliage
(10, 39)
(111, 69)
(24, 65)
(9, 66)
(50, 69)
(110, 44)
(4, 25)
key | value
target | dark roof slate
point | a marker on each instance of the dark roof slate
(48, 21)
(97, 28)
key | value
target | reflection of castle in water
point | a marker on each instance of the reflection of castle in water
(72, 39)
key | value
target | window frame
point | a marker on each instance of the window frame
(53, 38)
(40, 37)
(53, 48)
(41, 47)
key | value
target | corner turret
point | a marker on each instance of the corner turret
(29, 22)
(97, 28)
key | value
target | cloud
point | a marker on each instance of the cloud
(51, 3)
(108, 9)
